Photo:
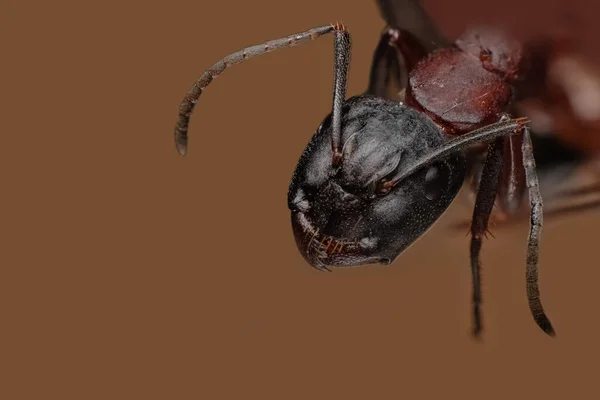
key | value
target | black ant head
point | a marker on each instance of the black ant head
(346, 215)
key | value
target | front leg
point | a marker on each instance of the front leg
(519, 176)
(535, 236)
(486, 196)
(502, 180)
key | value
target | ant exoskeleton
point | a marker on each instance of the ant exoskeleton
(379, 173)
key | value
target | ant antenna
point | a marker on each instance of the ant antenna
(342, 63)
(485, 134)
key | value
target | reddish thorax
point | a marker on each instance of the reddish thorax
(466, 86)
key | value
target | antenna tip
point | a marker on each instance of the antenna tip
(476, 332)
(182, 149)
(546, 326)
(181, 143)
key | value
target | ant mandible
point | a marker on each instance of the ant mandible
(378, 173)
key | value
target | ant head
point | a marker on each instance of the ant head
(346, 215)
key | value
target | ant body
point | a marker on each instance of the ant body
(378, 173)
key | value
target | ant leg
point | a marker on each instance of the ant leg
(555, 164)
(410, 16)
(385, 68)
(191, 98)
(535, 233)
(386, 65)
(486, 195)
(551, 212)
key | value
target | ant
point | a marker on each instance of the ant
(379, 172)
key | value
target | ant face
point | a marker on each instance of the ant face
(341, 216)
(377, 175)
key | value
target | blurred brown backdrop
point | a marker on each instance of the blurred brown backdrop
(128, 272)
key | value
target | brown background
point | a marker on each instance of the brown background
(130, 273)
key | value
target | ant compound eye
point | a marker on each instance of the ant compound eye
(436, 181)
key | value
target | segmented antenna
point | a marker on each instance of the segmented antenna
(191, 98)
(343, 46)
(485, 134)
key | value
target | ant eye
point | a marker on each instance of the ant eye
(436, 181)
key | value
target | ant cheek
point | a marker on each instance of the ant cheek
(302, 205)
(369, 242)
(300, 202)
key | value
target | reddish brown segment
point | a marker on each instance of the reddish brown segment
(456, 92)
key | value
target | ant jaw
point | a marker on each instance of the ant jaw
(323, 251)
